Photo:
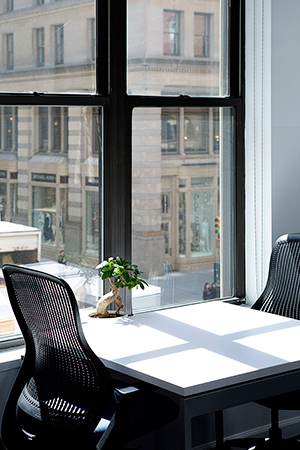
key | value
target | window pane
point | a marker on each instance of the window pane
(56, 195)
(175, 50)
(177, 199)
(38, 47)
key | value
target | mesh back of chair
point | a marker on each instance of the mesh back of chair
(65, 384)
(282, 292)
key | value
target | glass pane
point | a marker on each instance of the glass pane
(178, 48)
(49, 197)
(38, 51)
(183, 207)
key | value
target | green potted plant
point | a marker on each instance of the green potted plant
(121, 274)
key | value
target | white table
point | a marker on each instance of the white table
(212, 355)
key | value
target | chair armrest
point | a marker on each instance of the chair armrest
(126, 390)
(125, 394)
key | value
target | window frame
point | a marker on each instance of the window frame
(117, 105)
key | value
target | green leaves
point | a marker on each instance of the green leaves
(121, 272)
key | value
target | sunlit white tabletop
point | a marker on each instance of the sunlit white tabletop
(197, 348)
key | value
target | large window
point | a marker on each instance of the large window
(184, 152)
(122, 134)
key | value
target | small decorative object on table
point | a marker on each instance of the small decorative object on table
(120, 273)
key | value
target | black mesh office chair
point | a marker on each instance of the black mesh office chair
(281, 296)
(63, 396)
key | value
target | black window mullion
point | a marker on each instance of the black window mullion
(117, 143)
(237, 43)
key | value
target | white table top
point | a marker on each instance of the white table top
(193, 349)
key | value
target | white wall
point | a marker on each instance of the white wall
(285, 83)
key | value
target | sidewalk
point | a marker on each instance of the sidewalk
(181, 287)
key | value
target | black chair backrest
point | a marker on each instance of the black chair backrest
(61, 382)
(282, 292)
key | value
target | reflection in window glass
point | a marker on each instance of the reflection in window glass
(184, 50)
(176, 198)
(56, 193)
